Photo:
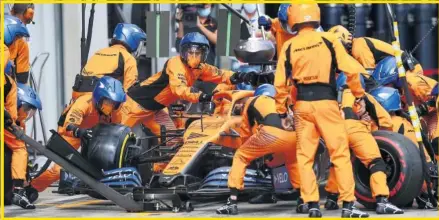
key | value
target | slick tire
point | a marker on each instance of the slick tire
(404, 166)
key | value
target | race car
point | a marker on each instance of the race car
(200, 166)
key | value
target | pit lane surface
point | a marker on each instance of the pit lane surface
(55, 205)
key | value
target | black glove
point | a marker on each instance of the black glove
(240, 77)
(205, 97)
(408, 61)
(82, 133)
(8, 119)
(422, 109)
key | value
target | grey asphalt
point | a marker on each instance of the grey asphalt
(54, 205)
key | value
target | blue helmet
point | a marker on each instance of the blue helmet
(130, 35)
(386, 72)
(341, 81)
(111, 89)
(27, 96)
(282, 15)
(434, 91)
(13, 27)
(388, 97)
(8, 67)
(265, 89)
(194, 41)
(243, 86)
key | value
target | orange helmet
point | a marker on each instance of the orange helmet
(342, 33)
(303, 13)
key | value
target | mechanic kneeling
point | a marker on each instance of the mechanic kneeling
(262, 133)
(390, 99)
(83, 114)
(361, 118)
(174, 82)
(19, 104)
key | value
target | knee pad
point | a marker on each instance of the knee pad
(377, 165)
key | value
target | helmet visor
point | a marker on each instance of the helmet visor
(195, 55)
(107, 106)
(287, 28)
(141, 49)
(26, 112)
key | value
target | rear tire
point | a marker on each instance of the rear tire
(404, 170)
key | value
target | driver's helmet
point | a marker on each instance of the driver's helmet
(13, 28)
(341, 82)
(388, 97)
(194, 48)
(131, 36)
(108, 95)
(386, 72)
(265, 89)
(28, 102)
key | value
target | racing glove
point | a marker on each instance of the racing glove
(205, 97)
(240, 77)
(86, 134)
(422, 109)
(8, 119)
(264, 22)
(408, 61)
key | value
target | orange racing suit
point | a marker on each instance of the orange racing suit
(18, 148)
(310, 60)
(164, 88)
(362, 142)
(19, 54)
(114, 61)
(403, 126)
(369, 51)
(420, 87)
(262, 133)
(82, 113)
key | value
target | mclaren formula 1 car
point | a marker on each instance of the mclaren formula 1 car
(199, 165)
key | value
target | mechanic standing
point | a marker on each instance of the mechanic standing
(390, 99)
(360, 120)
(14, 30)
(81, 116)
(174, 82)
(262, 133)
(279, 26)
(310, 60)
(19, 49)
(118, 60)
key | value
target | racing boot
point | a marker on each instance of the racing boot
(20, 198)
(302, 208)
(266, 198)
(230, 208)
(314, 210)
(424, 202)
(350, 211)
(385, 207)
(331, 202)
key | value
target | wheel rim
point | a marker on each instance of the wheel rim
(392, 167)
(392, 170)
